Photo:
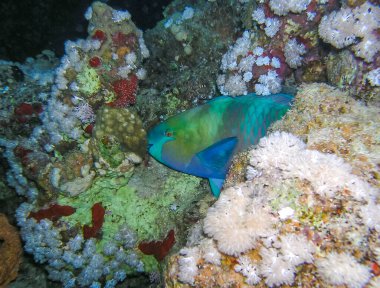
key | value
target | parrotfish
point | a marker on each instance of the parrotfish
(202, 141)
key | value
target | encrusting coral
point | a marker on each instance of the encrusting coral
(10, 252)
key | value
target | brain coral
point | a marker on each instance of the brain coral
(122, 125)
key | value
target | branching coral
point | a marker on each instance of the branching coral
(125, 90)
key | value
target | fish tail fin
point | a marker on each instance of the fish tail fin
(216, 185)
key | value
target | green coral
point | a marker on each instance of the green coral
(149, 217)
(88, 81)
(285, 195)
(172, 102)
(110, 152)
(312, 216)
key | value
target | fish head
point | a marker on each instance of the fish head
(158, 136)
(172, 142)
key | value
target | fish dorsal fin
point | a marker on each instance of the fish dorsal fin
(216, 185)
(214, 160)
(279, 99)
(219, 98)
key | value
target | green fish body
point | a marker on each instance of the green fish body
(203, 140)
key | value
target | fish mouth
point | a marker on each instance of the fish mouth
(149, 146)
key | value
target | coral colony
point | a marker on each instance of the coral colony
(299, 209)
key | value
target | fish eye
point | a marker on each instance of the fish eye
(168, 133)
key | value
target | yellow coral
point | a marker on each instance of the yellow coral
(88, 81)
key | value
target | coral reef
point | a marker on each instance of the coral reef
(10, 251)
(186, 48)
(304, 215)
(98, 212)
(332, 122)
(282, 45)
(102, 69)
(81, 218)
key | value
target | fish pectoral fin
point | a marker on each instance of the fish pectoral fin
(216, 185)
(216, 158)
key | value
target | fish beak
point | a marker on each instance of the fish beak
(149, 146)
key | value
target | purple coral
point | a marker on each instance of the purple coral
(84, 112)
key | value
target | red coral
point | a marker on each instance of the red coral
(99, 35)
(159, 249)
(375, 268)
(119, 39)
(22, 153)
(131, 41)
(95, 62)
(54, 212)
(89, 128)
(284, 69)
(97, 221)
(268, 11)
(125, 90)
(25, 111)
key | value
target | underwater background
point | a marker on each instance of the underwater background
(88, 196)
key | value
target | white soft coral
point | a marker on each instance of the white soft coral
(296, 249)
(284, 155)
(236, 221)
(349, 26)
(340, 269)
(187, 261)
(247, 268)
